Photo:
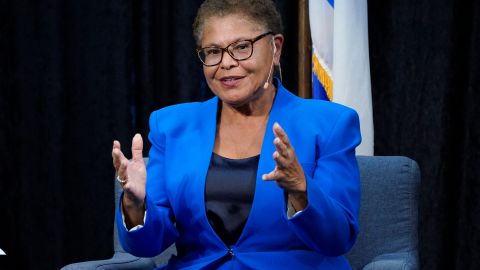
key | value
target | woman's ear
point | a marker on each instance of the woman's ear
(277, 47)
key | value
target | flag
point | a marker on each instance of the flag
(340, 60)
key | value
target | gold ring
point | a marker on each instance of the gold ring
(121, 180)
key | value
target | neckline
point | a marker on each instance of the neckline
(236, 159)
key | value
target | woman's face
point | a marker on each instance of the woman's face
(238, 82)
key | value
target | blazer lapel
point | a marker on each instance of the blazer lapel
(266, 192)
(202, 148)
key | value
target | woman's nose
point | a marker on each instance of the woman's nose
(228, 61)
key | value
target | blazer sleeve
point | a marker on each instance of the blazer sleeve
(329, 222)
(159, 231)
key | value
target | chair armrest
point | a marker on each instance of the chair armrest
(119, 261)
(165, 256)
(394, 261)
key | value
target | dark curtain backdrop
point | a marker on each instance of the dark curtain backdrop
(74, 75)
(425, 69)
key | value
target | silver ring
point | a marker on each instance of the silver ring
(120, 180)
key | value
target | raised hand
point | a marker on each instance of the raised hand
(288, 172)
(133, 176)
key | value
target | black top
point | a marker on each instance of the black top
(229, 190)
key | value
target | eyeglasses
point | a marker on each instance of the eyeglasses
(239, 50)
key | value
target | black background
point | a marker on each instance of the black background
(74, 75)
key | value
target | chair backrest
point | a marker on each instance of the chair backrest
(117, 247)
(388, 210)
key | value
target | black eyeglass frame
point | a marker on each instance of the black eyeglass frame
(252, 41)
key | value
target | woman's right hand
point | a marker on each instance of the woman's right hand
(134, 173)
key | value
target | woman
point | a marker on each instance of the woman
(254, 178)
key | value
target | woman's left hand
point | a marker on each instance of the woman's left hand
(288, 172)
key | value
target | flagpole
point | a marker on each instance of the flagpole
(304, 51)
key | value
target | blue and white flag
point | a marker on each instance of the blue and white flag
(340, 59)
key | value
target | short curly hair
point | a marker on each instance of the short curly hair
(263, 12)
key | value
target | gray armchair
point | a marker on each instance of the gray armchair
(388, 222)
(388, 219)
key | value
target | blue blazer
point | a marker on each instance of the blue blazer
(324, 135)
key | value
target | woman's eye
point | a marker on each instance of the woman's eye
(242, 46)
(212, 51)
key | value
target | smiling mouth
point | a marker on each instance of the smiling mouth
(230, 81)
